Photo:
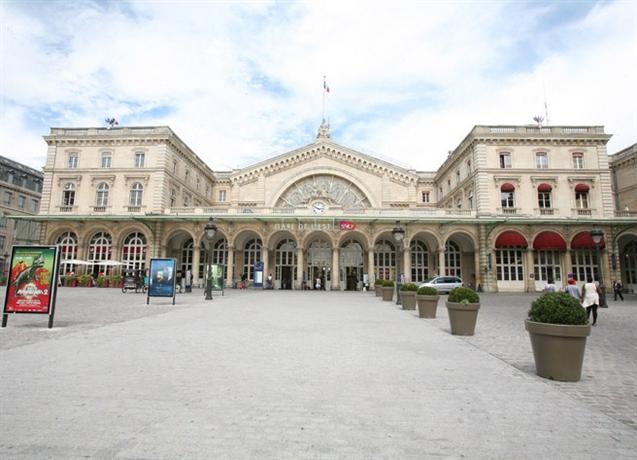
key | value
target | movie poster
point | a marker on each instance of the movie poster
(31, 284)
(161, 278)
(216, 273)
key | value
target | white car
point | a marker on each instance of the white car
(443, 283)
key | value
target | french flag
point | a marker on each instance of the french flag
(325, 87)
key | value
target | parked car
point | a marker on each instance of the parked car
(443, 283)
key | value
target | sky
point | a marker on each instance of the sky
(240, 82)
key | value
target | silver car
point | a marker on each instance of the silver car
(443, 283)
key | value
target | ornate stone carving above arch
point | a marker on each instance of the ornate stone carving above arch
(333, 189)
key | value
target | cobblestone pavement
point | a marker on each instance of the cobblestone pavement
(609, 374)
(280, 375)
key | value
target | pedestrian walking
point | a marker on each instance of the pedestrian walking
(617, 290)
(550, 286)
(590, 299)
(572, 289)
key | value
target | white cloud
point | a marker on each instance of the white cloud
(240, 82)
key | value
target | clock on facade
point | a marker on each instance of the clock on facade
(318, 207)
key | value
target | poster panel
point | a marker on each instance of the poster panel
(216, 273)
(31, 285)
(161, 281)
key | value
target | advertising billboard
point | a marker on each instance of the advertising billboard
(161, 282)
(216, 273)
(31, 284)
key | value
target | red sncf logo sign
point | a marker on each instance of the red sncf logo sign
(347, 225)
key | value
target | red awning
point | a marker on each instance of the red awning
(511, 239)
(549, 240)
(544, 188)
(584, 240)
(582, 188)
(506, 187)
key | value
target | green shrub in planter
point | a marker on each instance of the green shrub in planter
(557, 308)
(463, 295)
(378, 282)
(388, 283)
(427, 290)
(411, 287)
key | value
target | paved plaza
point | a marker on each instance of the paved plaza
(272, 374)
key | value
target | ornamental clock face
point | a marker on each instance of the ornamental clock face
(318, 207)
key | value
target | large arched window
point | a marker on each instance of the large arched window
(102, 194)
(99, 249)
(453, 259)
(68, 194)
(285, 260)
(630, 264)
(385, 260)
(136, 194)
(67, 242)
(134, 251)
(419, 261)
(251, 255)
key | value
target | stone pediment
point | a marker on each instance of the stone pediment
(325, 149)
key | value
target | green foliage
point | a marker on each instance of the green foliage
(557, 308)
(115, 279)
(388, 283)
(102, 281)
(378, 282)
(427, 290)
(464, 295)
(410, 287)
(85, 280)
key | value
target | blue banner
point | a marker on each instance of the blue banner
(161, 282)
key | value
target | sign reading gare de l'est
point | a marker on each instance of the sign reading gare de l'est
(342, 225)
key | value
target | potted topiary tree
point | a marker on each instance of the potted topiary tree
(388, 290)
(408, 296)
(558, 329)
(463, 305)
(427, 298)
(378, 287)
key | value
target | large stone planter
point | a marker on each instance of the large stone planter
(427, 305)
(462, 317)
(388, 293)
(408, 300)
(558, 349)
(378, 290)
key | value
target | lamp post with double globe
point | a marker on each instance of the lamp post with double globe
(211, 229)
(598, 236)
(399, 234)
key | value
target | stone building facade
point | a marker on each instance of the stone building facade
(623, 166)
(20, 191)
(509, 208)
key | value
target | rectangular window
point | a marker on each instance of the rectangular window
(457, 177)
(505, 160)
(22, 201)
(578, 161)
(581, 200)
(541, 160)
(222, 195)
(174, 166)
(7, 198)
(2, 240)
(507, 199)
(34, 205)
(544, 199)
(139, 159)
(470, 200)
(72, 161)
(425, 197)
(106, 160)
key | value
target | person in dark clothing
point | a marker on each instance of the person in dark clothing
(617, 290)
(601, 292)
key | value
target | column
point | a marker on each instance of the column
(478, 269)
(441, 262)
(529, 283)
(370, 266)
(336, 272)
(407, 264)
(265, 257)
(230, 274)
(299, 268)
(568, 265)
(196, 260)
(605, 269)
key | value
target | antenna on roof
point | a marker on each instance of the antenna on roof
(111, 122)
(546, 107)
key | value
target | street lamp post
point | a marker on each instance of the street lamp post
(597, 235)
(399, 234)
(211, 229)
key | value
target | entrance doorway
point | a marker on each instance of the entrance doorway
(285, 276)
(322, 274)
(319, 265)
(351, 262)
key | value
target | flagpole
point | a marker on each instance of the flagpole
(324, 83)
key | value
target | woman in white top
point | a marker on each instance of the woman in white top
(590, 299)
